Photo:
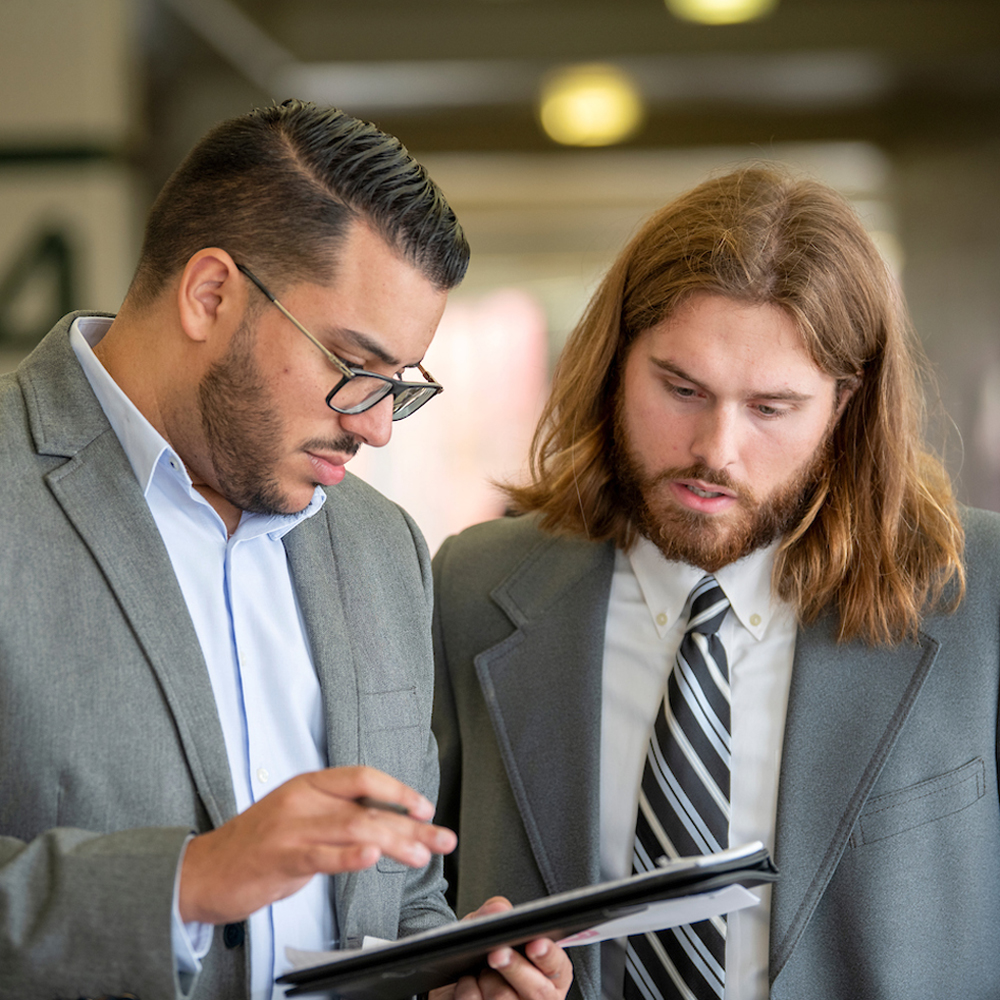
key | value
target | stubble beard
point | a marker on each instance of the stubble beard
(704, 540)
(244, 431)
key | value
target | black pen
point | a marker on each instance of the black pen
(367, 802)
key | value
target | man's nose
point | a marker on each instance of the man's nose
(372, 427)
(716, 439)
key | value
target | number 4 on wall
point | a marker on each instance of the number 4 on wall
(37, 288)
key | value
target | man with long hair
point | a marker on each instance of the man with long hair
(740, 604)
(215, 654)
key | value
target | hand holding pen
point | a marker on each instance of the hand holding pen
(323, 822)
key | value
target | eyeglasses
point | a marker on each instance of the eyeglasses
(360, 390)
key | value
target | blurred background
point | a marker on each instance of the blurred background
(554, 127)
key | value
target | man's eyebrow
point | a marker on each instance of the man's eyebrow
(365, 343)
(669, 366)
(777, 395)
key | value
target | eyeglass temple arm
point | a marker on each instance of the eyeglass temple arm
(333, 359)
(426, 374)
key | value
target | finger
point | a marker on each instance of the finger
(467, 988)
(495, 904)
(551, 960)
(438, 839)
(418, 852)
(357, 782)
(338, 822)
(400, 837)
(332, 834)
(544, 976)
(493, 986)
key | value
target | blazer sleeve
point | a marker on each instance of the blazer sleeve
(87, 914)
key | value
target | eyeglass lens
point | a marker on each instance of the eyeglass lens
(362, 392)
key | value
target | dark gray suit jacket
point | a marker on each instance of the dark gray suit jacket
(888, 827)
(111, 749)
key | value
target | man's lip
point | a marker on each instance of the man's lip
(329, 459)
(328, 469)
(700, 484)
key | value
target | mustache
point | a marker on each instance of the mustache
(346, 444)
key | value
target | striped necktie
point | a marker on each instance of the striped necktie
(684, 806)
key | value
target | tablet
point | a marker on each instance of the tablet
(439, 956)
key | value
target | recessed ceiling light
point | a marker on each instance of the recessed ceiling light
(720, 11)
(590, 105)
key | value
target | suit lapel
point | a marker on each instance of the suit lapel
(314, 572)
(316, 578)
(847, 704)
(100, 496)
(543, 690)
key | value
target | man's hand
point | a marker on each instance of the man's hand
(545, 974)
(306, 826)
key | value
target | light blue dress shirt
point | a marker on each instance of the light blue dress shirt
(242, 603)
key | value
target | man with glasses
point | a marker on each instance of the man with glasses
(215, 658)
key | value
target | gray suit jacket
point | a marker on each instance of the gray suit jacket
(888, 827)
(111, 750)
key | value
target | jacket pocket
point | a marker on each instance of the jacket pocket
(896, 812)
(394, 738)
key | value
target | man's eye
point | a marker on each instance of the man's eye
(683, 391)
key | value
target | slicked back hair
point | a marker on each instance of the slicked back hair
(882, 540)
(279, 188)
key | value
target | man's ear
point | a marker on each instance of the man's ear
(846, 387)
(211, 295)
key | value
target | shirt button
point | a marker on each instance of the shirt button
(262, 775)
(661, 618)
(755, 619)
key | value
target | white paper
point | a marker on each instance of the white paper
(667, 913)
(301, 959)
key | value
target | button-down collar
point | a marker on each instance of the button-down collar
(666, 585)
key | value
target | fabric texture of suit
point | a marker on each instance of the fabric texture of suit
(888, 826)
(111, 750)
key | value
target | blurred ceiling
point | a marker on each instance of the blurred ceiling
(464, 74)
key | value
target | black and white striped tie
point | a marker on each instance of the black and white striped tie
(684, 806)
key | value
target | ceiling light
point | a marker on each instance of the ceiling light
(590, 105)
(720, 11)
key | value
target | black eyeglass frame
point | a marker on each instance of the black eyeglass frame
(397, 387)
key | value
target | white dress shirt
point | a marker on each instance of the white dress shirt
(647, 617)
(245, 613)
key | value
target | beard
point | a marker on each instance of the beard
(703, 540)
(244, 430)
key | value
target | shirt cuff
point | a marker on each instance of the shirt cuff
(190, 941)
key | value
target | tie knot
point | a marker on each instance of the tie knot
(709, 605)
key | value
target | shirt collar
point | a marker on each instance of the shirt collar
(148, 452)
(142, 443)
(666, 585)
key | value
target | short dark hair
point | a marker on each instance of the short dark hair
(279, 188)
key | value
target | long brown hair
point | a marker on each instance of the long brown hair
(882, 540)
